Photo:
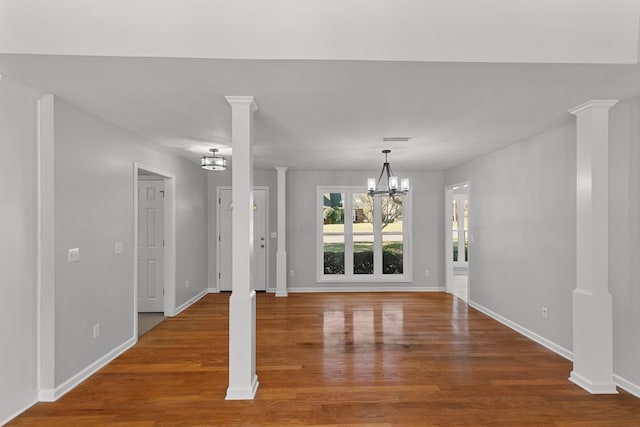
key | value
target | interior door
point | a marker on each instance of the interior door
(150, 246)
(225, 210)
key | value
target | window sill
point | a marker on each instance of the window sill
(391, 278)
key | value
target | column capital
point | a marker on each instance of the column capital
(594, 103)
(281, 168)
(243, 100)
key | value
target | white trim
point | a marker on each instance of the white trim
(17, 413)
(448, 236)
(64, 388)
(243, 393)
(46, 265)
(169, 238)
(190, 302)
(567, 354)
(590, 386)
(627, 385)
(325, 289)
(377, 276)
(213, 291)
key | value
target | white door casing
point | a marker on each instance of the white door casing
(151, 246)
(260, 230)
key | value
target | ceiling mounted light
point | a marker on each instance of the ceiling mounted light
(395, 185)
(213, 162)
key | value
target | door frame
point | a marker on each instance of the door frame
(266, 232)
(169, 240)
(448, 237)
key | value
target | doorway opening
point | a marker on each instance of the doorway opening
(154, 247)
(457, 238)
(260, 232)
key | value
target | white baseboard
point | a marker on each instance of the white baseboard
(53, 395)
(15, 414)
(623, 383)
(567, 354)
(213, 291)
(190, 302)
(627, 385)
(363, 289)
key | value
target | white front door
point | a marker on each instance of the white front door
(150, 246)
(225, 209)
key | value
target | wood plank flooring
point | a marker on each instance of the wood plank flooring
(350, 359)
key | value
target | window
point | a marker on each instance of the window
(362, 238)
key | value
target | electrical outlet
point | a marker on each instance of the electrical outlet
(73, 255)
(186, 284)
(427, 273)
(118, 248)
(96, 330)
(545, 313)
(291, 273)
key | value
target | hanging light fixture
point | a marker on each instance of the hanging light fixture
(213, 162)
(394, 186)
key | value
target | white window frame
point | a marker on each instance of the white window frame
(349, 276)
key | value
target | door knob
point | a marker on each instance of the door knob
(262, 246)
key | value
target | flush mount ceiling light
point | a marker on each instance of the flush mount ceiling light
(392, 187)
(213, 162)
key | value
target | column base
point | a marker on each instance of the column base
(593, 342)
(243, 380)
(281, 276)
(591, 387)
(243, 393)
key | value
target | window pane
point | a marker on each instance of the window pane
(466, 246)
(333, 212)
(333, 254)
(392, 258)
(363, 254)
(391, 214)
(466, 214)
(362, 213)
(454, 219)
(455, 245)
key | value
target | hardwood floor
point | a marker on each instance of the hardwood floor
(351, 359)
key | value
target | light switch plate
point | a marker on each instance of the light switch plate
(274, 234)
(73, 255)
(119, 248)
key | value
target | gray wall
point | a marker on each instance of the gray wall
(261, 178)
(93, 210)
(522, 218)
(18, 250)
(624, 237)
(522, 221)
(427, 232)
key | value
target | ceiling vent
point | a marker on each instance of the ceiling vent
(396, 138)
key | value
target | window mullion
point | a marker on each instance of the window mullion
(377, 237)
(348, 235)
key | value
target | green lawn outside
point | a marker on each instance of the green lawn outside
(362, 227)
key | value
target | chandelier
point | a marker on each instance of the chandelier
(392, 187)
(213, 162)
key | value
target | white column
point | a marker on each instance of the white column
(243, 381)
(281, 256)
(46, 249)
(592, 305)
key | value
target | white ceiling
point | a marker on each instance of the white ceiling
(330, 113)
